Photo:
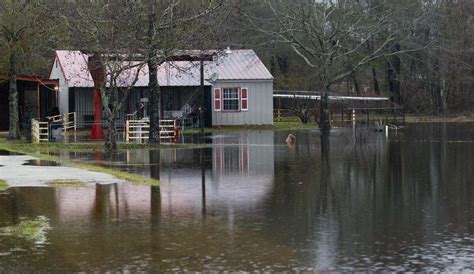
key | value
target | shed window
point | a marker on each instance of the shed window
(231, 99)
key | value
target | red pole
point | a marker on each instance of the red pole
(97, 72)
(97, 133)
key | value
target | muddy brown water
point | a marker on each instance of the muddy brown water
(7, 153)
(358, 201)
(40, 162)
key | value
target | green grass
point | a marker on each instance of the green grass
(3, 185)
(32, 150)
(84, 147)
(66, 183)
(287, 124)
(293, 125)
(29, 229)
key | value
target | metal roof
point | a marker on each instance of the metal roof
(235, 65)
(74, 67)
(331, 97)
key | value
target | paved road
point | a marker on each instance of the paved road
(16, 174)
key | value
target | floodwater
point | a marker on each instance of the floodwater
(40, 162)
(356, 201)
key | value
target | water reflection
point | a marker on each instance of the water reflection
(251, 202)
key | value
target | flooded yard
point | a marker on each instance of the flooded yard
(358, 201)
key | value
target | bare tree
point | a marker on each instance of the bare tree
(304, 107)
(171, 26)
(130, 38)
(331, 37)
(23, 26)
(104, 32)
(439, 79)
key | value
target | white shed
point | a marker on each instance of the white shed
(238, 87)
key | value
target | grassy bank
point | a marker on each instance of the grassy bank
(84, 147)
(439, 119)
(3, 185)
(289, 124)
(32, 150)
(66, 183)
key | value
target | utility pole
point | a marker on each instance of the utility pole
(201, 109)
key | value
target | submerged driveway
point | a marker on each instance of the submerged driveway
(27, 171)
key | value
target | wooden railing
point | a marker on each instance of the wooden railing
(68, 121)
(39, 131)
(167, 131)
(137, 130)
(277, 114)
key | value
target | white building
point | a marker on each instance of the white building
(238, 88)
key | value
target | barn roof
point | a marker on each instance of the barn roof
(236, 65)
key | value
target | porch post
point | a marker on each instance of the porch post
(38, 102)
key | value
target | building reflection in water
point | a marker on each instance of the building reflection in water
(237, 173)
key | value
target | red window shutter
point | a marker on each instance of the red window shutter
(244, 99)
(217, 99)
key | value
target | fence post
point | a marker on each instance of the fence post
(33, 131)
(64, 123)
(74, 117)
(126, 131)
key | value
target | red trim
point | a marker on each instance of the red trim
(244, 99)
(217, 99)
(36, 79)
(244, 93)
(244, 104)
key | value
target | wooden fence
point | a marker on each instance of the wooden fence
(139, 131)
(67, 121)
(39, 131)
(168, 132)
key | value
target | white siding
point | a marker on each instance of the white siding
(63, 95)
(260, 104)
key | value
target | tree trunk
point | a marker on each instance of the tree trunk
(374, 71)
(14, 127)
(154, 158)
(394, 68)
(111, 136)
(356, 83)
(443, 95)
(154, 95)
(324, 119)
(304, 118)
(376, 82)
(154, 92)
